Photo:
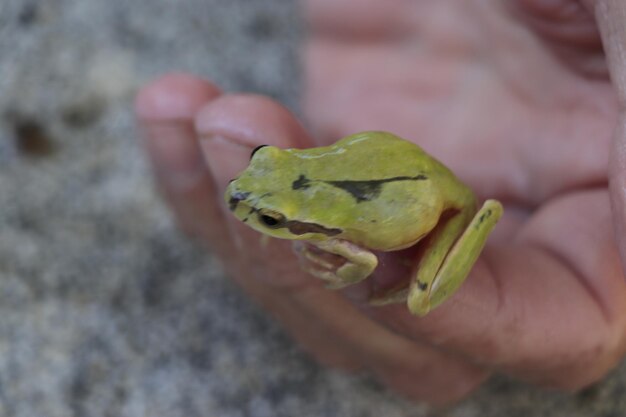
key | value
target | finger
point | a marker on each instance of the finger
(165, 110)
(548, 307)
(235, 124)
(373, 19)
(567, 22)
(230, 127)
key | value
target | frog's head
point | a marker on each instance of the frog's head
(265, 196)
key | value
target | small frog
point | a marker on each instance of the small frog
(371, 191)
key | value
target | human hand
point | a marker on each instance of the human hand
(512, 96)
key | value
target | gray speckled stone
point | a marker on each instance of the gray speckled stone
(105, 309)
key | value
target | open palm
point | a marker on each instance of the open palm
(493, 90)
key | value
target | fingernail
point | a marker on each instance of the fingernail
(174, 151)
(225, 157)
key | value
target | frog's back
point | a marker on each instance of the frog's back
(385, 183)
(375, 155)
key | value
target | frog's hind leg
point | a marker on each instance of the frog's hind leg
(450, 253)
(424, 295)
(433, 253)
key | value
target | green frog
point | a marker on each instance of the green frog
(371, 191)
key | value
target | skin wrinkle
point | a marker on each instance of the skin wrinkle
(590, 169)
(535, 97)
(429, 332)
(575, 272)
(487, 256)
(386, 349)
(569, 29)
(521, 83)
(575, 22)
(441, 345)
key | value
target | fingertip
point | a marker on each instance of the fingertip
(174, 96)
(251, 120)
(165, 109)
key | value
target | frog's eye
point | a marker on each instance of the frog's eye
(256, 149)
(271, 219)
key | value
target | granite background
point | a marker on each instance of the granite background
(105, 308)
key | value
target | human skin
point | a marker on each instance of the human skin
(515, 97)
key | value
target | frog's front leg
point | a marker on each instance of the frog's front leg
(338, 262)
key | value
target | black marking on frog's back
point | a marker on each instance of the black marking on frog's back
(361, 190)
(302, 183)
(368, 190)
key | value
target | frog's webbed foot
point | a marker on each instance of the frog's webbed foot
(338, 262)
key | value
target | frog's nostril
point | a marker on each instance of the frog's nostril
(239, 196)
(235, 198)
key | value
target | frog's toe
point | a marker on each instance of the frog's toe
(418, 302)
(332, 281)
(311, 257)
